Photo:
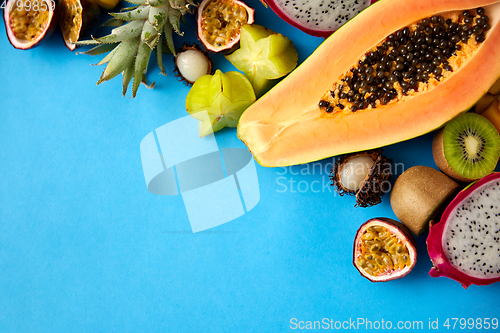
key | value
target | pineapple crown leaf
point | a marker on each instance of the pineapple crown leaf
(99, 49)
(123, 33)
(174, 17)
(139, 13)
(144, 82)
(112, 22)
(159, 54)
(158, 16)
(108, 57)
(128, 73)
(179, 4)
(138, 2)
(92, 41)
(126, 9)
(137, 32)
(167, 28)
(158, 3)
(120, 60)
(141, 64)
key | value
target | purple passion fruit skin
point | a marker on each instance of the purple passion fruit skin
(27, 25)
(78, 20)
(219, 23)
(384, 250)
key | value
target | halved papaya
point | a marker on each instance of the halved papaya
(319, 111)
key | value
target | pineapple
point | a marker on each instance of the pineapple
(130, 45)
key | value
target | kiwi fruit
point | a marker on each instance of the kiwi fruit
(467, 148)
(419, 195)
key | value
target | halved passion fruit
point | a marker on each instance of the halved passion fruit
(28, 22)
(220, 21)
(78, 19)
(384, 250)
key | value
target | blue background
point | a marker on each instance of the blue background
(84, 247)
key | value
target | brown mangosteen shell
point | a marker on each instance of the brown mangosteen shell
(410, 241)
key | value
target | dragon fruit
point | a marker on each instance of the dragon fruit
(465, 244)
(317, 17)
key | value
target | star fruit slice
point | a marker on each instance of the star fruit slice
(223, 97)
(264, 56)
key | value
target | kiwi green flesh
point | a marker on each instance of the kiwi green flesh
(419, 195)
(471, 146)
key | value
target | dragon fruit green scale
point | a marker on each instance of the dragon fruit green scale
(130, 45)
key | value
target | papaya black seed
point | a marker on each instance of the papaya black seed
(323, 104)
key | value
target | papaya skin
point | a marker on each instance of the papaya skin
(286, 126)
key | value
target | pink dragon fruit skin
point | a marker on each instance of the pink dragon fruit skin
(276, 6)
(487, 242)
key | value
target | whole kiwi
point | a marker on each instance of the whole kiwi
(419, 195)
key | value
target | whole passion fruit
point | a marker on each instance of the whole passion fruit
(384, 250)
(219, 23)
(78, 18)
(27, 22)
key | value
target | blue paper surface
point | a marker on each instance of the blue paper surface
(86, 247)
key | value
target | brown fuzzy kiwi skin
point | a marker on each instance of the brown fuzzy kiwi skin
(419, 195)
(440, 159)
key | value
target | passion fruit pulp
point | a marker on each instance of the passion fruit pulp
(219, 23)
(78, 18)
(384, 250)
(27, 23)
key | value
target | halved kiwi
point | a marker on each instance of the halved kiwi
(467, 148)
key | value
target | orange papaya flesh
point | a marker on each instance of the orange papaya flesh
(287, 126)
